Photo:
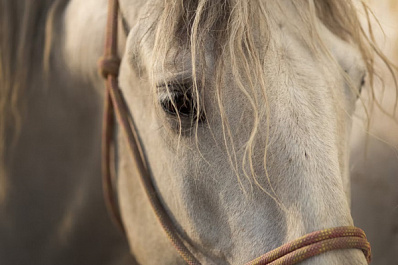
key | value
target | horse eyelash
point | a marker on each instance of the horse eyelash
(174, 90)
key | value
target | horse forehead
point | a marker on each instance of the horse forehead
(289, 44)
(131, 9)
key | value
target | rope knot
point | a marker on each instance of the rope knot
(109, 65)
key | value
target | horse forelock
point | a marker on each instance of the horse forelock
(22, 37)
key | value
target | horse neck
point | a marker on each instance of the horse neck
(54, 175)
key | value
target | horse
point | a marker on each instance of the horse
(244, 112)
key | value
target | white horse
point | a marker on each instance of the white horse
(243, 109)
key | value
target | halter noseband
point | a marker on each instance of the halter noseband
(293, 252)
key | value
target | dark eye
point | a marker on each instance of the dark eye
(180, 102)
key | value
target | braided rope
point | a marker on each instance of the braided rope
(291, 253)
(315, 243)
(109, 68)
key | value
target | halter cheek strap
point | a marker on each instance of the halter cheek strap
(291, 253)
(114, 103)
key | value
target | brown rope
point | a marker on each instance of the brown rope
(316, 243)
(114, 102)
(136, 152)
(109, 68)
(288, 254)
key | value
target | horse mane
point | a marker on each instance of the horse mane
(22, 38)
(232, 25)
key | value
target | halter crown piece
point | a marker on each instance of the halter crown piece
(310, 245)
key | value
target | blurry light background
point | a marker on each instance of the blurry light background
(374, 165)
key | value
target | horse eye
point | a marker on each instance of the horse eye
(178, 104)
(179, 101)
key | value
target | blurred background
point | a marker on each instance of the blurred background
(374, 157)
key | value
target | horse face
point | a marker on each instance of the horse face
(242, 166)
